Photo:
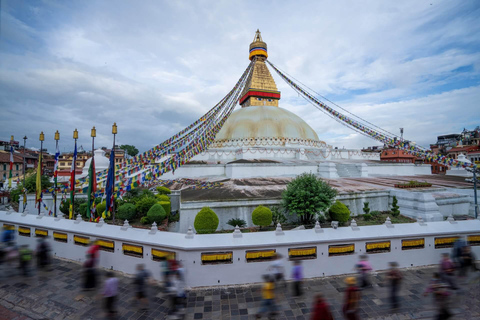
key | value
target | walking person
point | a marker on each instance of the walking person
(25, 255)
(43, 253)
(141, 278)
(94, 252)
(110, 291)
(447, 271)
(297, 275)
(321, 309)
(394, 277)
(277, 270)
(364, 268)
(352, 298)
(440, 296)
(89, 274)
(467, 261)
(268, 298)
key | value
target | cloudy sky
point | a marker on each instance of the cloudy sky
(153, 67)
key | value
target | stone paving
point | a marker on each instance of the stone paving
(56, 294)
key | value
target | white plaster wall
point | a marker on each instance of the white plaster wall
(247, 170)
(377, 200)
(417, 204)
(469, 192)
(454, 206)
(239, 271)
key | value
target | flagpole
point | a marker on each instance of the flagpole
(10, 174)
(93, 134)
(114, 131)
(42, 137)
(72, 183)
(57, 137)
(24, 173)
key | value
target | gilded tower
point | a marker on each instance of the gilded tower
(260, 89)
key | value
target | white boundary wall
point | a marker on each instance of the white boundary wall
(189, 250)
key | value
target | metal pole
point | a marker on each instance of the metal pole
(41, 172)
(73, 182)
(24, 172)
(55, 186)
(113, 205)
(475, 192)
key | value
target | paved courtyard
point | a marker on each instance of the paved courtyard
(56, 294)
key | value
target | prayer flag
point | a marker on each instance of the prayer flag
(109, 189)
(10, 175)
(38, 194)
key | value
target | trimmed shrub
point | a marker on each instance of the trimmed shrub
(366, 209)
(147, 193)
(144, 220)
(77, 207)
(101, 208)
(166, 206)
(82, 209)
(156, 213)
(126, 212)
(339, 212)
(375, 213)
(162, 197)
(163, 190)
(237, 222)
(143, 205)
(262, 216)
(367, 216)
(206, 221)
(395, 207)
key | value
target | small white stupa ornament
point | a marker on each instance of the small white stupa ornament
(278, 230)
(190, 233)
(318, 227)
(154, 228)
(237, 233)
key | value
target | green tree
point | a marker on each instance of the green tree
(395, 207)
(366, 209)
(129, 149)
(307, 196)
(156, 213)
(31, 183)
(339, 212)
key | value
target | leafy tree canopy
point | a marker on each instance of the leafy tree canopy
(129, 149)
(306, 196)
(31, 183)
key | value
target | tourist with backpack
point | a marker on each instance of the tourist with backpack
(440, 296)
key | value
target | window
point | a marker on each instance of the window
(60, 237)
(41, 233)
(259, 99)
(16, 167)
(132, 250)
(81, 241)
(377, 247)
(106, 245)
(217, 257)
(341, 250)
(158, 255)
(4, 166)
(474, 240)
(413, 244)
(445, 242)
(302, 253)
(24, 231)
(260, 255)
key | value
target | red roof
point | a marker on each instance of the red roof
(5, 157)
(463, 149)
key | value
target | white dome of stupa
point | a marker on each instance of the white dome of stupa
(101, 162)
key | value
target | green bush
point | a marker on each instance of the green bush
(101, 208)
(306, 196)
(31, 183)
(278, 215)
(206, 221)
(143, 205)
(262, 216)
(126, 212)
(366, 209)
(166, 206)
(367, 216)
(83, 210)
(147, 193)
(156, 213)
(395, 207)
(144, 220)
(375, 213)
(237, 222)
(163, 190)
(16, 193)
(339, 212)
(162, 197)
(77, 207)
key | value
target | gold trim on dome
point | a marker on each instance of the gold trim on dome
(266, 141)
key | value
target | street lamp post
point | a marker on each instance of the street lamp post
(57, 137)
(42, 138)
(24, 173)
(114, 131)
(475, 171)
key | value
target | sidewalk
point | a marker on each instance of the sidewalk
(57, 294)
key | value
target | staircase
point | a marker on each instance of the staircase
(348, 170)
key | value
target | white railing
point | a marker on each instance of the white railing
(236, 258)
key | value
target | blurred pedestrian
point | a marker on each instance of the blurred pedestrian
(141, 278)
(447, 271)
(352, 298)
(277, 270)
(89, 273)
(268, 298)
(297, 276)
(25, 255)
(458, 246)
(110, 291)
(179, 291)
(164, 271)
(364, 268)
(440, 296)
(94, 252)
(467, 261)
(43, 253)
(8, 235)
(394, 277)
(321, 309)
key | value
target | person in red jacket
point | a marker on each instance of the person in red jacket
(321, 309)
